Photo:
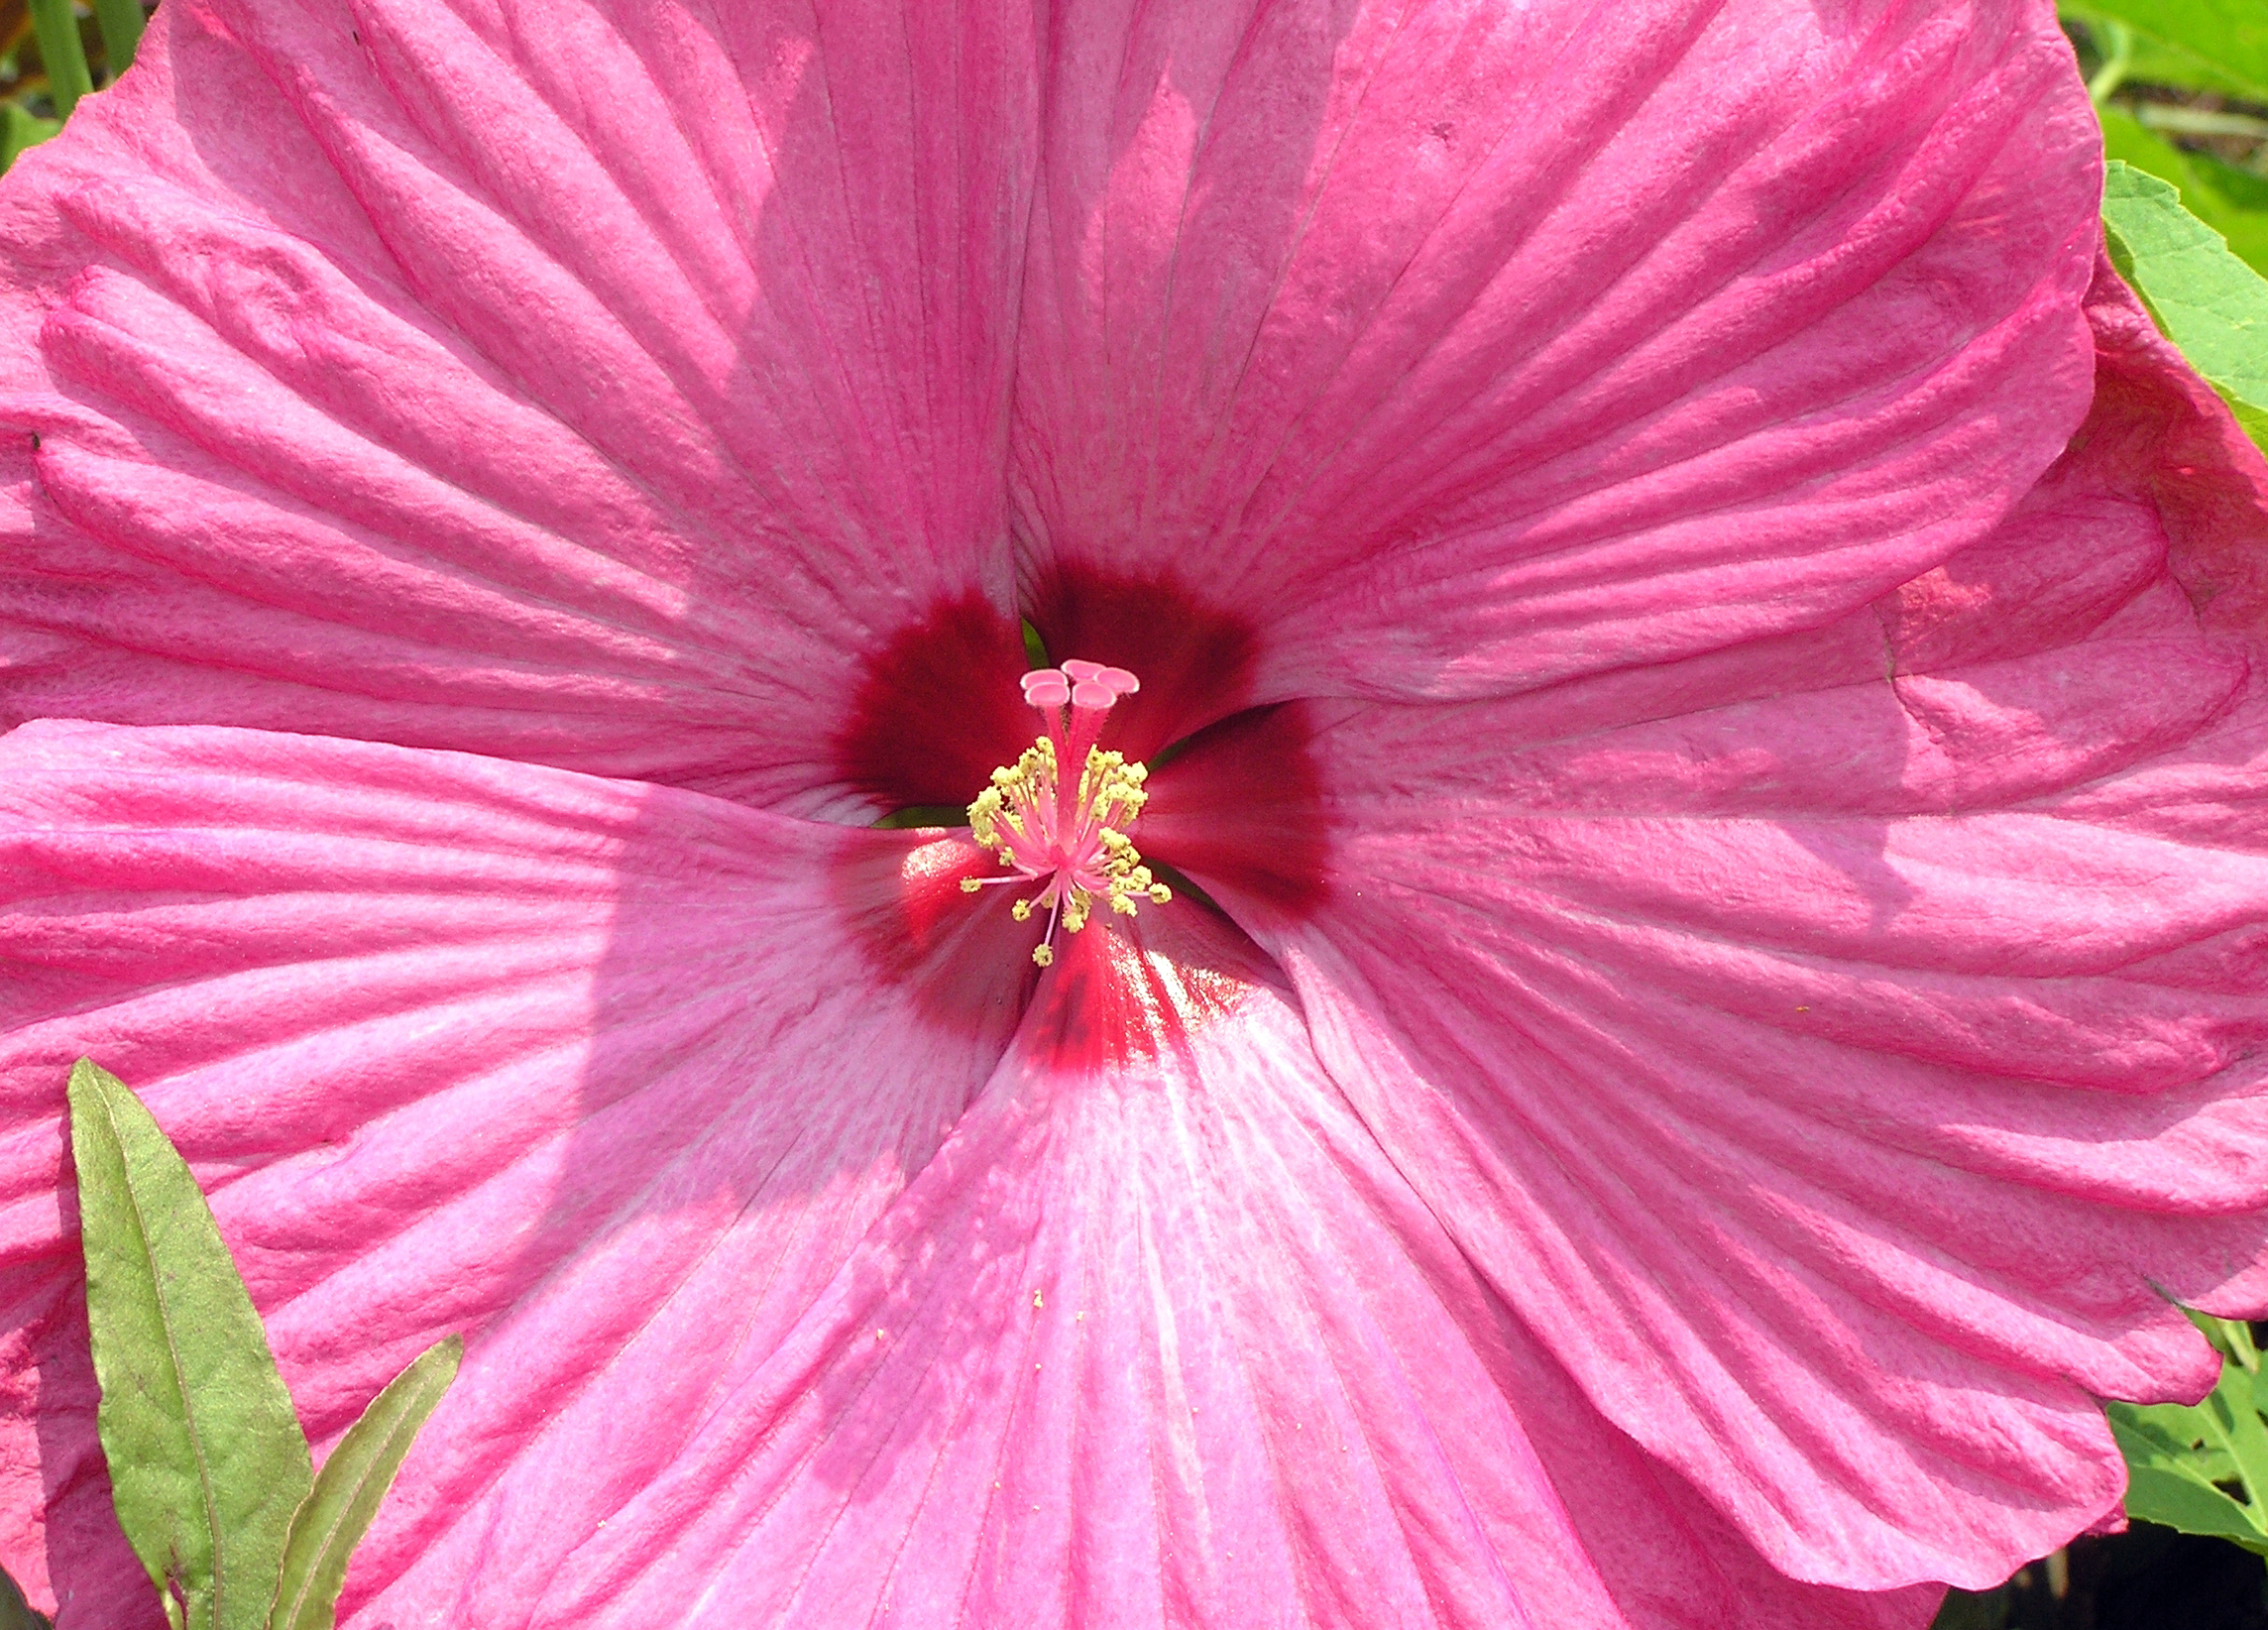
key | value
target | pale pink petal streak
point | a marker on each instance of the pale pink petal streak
(595, 1074)
(1839, 1074)
(589, 383)
(1462, 346)
(1157, 1340)
(1163, 1339)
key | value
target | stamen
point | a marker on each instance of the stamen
(1068, 836)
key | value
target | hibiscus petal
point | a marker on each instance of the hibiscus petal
(1459, 346)
(600, 1075)
(595, 383)
(1838, 1079)
(2184, 451)
(1159, 1337)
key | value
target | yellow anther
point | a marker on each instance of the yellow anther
(969, 885)
(1073, 849)
(1159, 894)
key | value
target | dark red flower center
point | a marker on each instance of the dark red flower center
(943, 728)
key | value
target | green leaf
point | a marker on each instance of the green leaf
(19, 130)
(2180, 1459)
(2233, 201)
(2238, 1421)
(337, 1512)
(2159, 1432)
(1973, 1611)
(2213, 45)
(54, 24)
(121, 25)
(15, 1612)
(207, 1462)
(2174, 1437)
(2207, 301)
(2173, 1499)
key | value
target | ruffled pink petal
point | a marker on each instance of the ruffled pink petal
(1160, 1337)
(1837, 1050)
(2191, 460)
(602, 1076)
(596, 384)
(1463, 346)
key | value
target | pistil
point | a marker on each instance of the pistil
(1067, 835)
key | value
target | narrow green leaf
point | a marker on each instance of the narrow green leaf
(2213, 44)
(207, 1462)
(336, 1514)
(2207, 301)
(121, 25)
(16, 1614)
(56, 26)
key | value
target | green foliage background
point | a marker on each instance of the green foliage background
(2181, 88)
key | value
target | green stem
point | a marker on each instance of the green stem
(121, 25)
(2107, 78)
(56, 26)
(2239, 1336)
(2191, 121)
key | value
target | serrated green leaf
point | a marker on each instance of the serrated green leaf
(16, 1614)
(2233, 1412)
(2173, 1499)
(2233, 201)
(336, 1514)
(2206, 301)
(207, 1462)
(2175, 1437)
(2214, 44)
(2146, 1436)
(2181, 1459)
(2238, 201)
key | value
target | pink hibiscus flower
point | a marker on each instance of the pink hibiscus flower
(1695, 653)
